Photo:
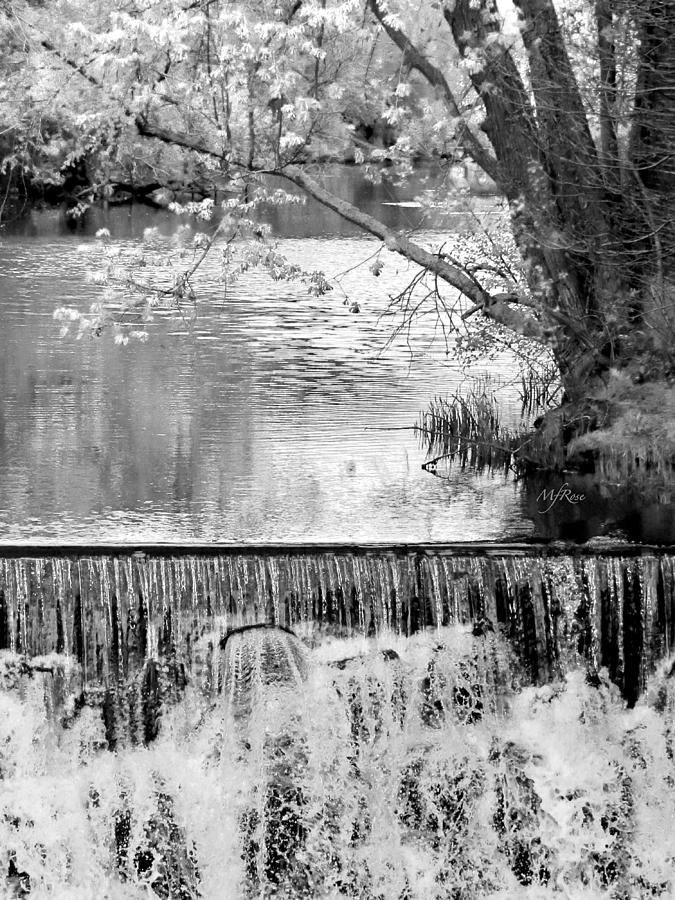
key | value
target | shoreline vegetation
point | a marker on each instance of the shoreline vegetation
(623, 436)
(75, 188)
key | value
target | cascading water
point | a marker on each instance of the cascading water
(348, 725)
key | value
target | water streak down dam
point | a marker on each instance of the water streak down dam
(114, 612)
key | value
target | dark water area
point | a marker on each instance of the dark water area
(394, 202)
(281, 417)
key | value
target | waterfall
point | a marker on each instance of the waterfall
(114, 614)
(413, 724)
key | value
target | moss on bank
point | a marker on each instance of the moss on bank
(634, 441)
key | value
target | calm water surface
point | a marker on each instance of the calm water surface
(281, 418)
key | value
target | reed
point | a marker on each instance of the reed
(468, 430)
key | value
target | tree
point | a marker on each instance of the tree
(570, 110)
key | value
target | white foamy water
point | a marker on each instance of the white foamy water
(402, 768)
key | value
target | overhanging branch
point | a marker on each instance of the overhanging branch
(143, 126)
(498, 309)
(174, 138)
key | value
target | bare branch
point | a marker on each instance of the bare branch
(608, 137)
(496, 308)
(175, 138)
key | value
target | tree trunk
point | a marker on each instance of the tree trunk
(652, 156)
(654, 127)
(551, 177)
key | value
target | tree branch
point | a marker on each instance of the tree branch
(76, 67)
(572, 157)
(607, 50)
(499, 309)
(511, 126)
(469, 142)
(510, 123)
(174, 138)
(144, 128)
(565, 136)
(496, 308)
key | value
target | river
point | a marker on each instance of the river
(279, 418)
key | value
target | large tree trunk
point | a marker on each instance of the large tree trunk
(598, 259)
(551, 175)
(652, 160)
(654, 130)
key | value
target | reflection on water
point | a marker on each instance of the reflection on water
(393, 203)
(272, 421)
